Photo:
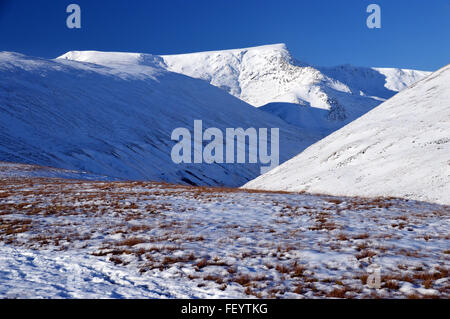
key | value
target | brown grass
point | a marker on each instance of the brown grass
(337, 293)
(365, 254)
(131, 241)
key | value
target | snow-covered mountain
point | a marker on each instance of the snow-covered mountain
(401, 148)
(322, 99)
(113, 113)
(116, 117)
(319, 100)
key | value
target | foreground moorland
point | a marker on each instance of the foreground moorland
(70, 239)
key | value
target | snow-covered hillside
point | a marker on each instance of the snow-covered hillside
(320, 100)
(117, 120)
(401, 148)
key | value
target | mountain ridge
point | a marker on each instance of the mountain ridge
(269, 75)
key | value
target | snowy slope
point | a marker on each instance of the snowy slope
(117, 120)
(15, 170)
(270, 76)
(401, 148)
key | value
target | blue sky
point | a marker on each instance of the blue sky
(414, 33)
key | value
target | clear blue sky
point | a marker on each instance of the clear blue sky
(414, 33)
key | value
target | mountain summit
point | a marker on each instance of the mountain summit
(321, 99)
